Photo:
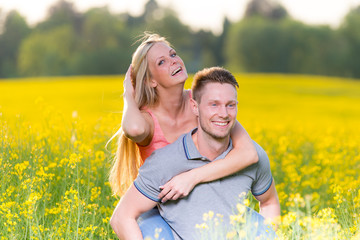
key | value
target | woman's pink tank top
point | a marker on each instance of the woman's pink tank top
(158, 140)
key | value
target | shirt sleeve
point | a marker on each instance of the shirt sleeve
(263, 177)
(148, 179)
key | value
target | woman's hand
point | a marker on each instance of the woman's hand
(128, 87)
(179, 186)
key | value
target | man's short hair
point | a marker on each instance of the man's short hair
(211, 75)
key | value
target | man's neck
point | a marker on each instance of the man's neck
(208, 146)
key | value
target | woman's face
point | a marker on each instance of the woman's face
(166, 67)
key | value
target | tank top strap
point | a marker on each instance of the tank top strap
(158, 140)
(157, 127)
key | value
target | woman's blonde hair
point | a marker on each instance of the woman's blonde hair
(128, 160)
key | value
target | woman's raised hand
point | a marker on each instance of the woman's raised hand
(128, 87)
(178, 187)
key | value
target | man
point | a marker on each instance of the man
(215, 104)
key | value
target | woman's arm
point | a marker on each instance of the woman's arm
(134, 123)
(241, 156)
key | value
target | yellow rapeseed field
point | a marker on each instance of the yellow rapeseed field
(54, 165)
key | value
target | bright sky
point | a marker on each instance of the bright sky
(205, 14)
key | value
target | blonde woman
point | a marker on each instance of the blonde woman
(156, 112)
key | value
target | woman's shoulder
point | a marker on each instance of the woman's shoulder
(147, 114)
(188, 93)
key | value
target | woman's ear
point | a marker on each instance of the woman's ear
(194, 107)
(153, 83)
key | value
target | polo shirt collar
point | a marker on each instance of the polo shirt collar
(192, 153)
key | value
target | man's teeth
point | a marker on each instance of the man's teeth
(220, 124)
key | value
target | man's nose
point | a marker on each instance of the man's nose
(223, 112)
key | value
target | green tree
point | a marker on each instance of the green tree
(15, 29)
(104, 47)
(48, 53)
(205, 47)
(351, 32)
(61, 13)
(219, 50)
(259, 45)
(266, 9)
(317, 50)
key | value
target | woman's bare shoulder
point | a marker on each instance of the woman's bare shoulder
(188, 93)
(147, 116)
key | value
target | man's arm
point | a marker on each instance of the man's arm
(131, 206)
(269, 203)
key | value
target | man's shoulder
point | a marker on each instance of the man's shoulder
(261, 152)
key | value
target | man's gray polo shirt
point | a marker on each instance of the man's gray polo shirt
(220, 196)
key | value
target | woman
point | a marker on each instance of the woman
(156, 113)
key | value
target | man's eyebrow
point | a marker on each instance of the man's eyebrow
(220, 100)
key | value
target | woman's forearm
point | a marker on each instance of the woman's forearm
(133, 122)
(221, 168)
(241, 156)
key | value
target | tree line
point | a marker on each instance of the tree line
(98, 42)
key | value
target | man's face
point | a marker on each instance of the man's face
(217, 109)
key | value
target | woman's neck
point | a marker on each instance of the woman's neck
(171, 101)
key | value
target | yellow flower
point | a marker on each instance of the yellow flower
(95, 192)
(289, 218)
(73, 160)
(201, 226)
(231, 235)
(247, 202)
(241, 208)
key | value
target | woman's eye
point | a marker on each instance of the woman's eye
(161, 62)
(173, 55)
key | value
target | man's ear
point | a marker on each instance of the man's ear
(194, 107)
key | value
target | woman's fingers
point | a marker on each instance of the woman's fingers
(128, 87)
(164, 190)
(169, 196)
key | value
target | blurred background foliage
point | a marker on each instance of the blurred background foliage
(97, 42)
